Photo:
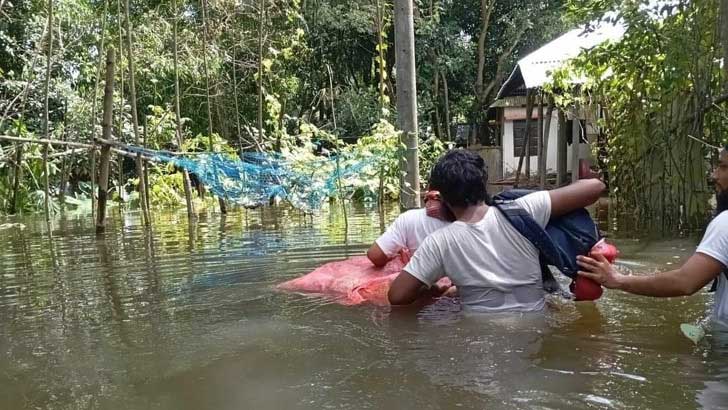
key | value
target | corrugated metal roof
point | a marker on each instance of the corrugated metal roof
(535, 69)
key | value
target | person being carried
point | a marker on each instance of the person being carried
(409, 230)
(703, 267)
(494, 267)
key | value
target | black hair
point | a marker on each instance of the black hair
(461, 178)
(721, 197)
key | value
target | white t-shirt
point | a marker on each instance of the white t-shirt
(408, 231)
(715, 245)
(494, 267)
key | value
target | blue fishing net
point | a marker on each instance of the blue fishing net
(254, 179)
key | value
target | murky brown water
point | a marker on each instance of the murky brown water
(185, 317)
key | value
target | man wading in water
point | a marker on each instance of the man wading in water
(494, 267)
(704, 266)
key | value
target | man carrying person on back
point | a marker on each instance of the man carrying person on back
(494, 267)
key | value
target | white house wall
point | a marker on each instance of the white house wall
(510, 162)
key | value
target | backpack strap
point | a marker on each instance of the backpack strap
(524, 223)
(714, 286)
(530, 229)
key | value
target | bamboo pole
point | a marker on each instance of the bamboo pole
(526, 138)
(575, 144)
(381, 60)
(261, 22)
(134, 117)
(106, 149)
(205, 39)
(120, 117)
(178, 118)
(561, 150)
(546, 137)
(64, 163)
(17, 177)
(235, 94)
(46, 117)
(92, 157)
(539, 141)
(145, 164)
(338, 153)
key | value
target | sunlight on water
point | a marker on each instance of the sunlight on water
(186, 317)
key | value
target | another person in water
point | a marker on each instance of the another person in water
(408, 231)
(703, 267)
(494, 267)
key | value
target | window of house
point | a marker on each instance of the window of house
(519, 133)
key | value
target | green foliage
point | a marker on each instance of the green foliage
(656, 86)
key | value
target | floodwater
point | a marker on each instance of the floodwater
(186, 317)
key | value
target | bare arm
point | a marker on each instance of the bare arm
(406, 289)
(580, 194)
(697, 272)
(377, 256)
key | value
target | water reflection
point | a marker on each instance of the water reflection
(184, 316)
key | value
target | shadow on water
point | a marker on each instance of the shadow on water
(184, 316)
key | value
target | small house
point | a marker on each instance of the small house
(568, 133)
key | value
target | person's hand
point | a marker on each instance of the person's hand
(451, 292)
(439, 289)
(599, 270)
(405, 255)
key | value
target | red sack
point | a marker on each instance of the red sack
(351, 282)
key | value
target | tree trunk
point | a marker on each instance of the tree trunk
(92, 159)
(106, 149)
(221, 201)
(436, 121)
(446, 95)
(178, 118)
(46, 117)
(547, 136)
(235, 95)
(486, 8)
(404, 40)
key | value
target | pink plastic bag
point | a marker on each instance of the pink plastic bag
(351, 282)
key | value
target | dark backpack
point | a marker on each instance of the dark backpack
(559, 243)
